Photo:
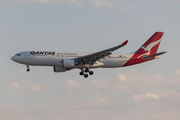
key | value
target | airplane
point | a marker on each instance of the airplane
(65, 61)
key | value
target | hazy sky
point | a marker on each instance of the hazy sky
(148, 91)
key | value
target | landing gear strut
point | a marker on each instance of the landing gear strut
(83, 72)
(27, 68)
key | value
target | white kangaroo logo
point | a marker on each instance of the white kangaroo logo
(149, 47)
(143, 47)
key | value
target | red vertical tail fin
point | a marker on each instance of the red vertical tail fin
(150, 47)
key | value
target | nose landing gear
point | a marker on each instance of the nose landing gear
(27, 68)
(83, 72)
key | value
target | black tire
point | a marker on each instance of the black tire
(86, 70)
(28, 70)
(86, 75)
(91, 72)
(81, 73)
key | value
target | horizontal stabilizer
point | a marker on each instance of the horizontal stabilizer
(151, 56)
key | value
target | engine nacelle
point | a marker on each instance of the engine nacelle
(59, 69)
(68, 63)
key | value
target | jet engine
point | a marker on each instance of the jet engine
(59, 69)
(68, 63)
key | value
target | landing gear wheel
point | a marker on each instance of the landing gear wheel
(87, 70)
(91, 72)
(28, 70)
(81, 73)
(86, 75)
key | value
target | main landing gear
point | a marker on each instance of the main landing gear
(27, 68)
(83, 72)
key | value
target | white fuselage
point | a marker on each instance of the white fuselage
(54, 59)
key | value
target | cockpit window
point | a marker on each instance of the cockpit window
(17, 54)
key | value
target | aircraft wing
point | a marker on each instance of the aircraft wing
(92, 58)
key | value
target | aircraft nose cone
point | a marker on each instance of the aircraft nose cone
(13, 58)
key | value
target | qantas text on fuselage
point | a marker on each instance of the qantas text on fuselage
(64, 61)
